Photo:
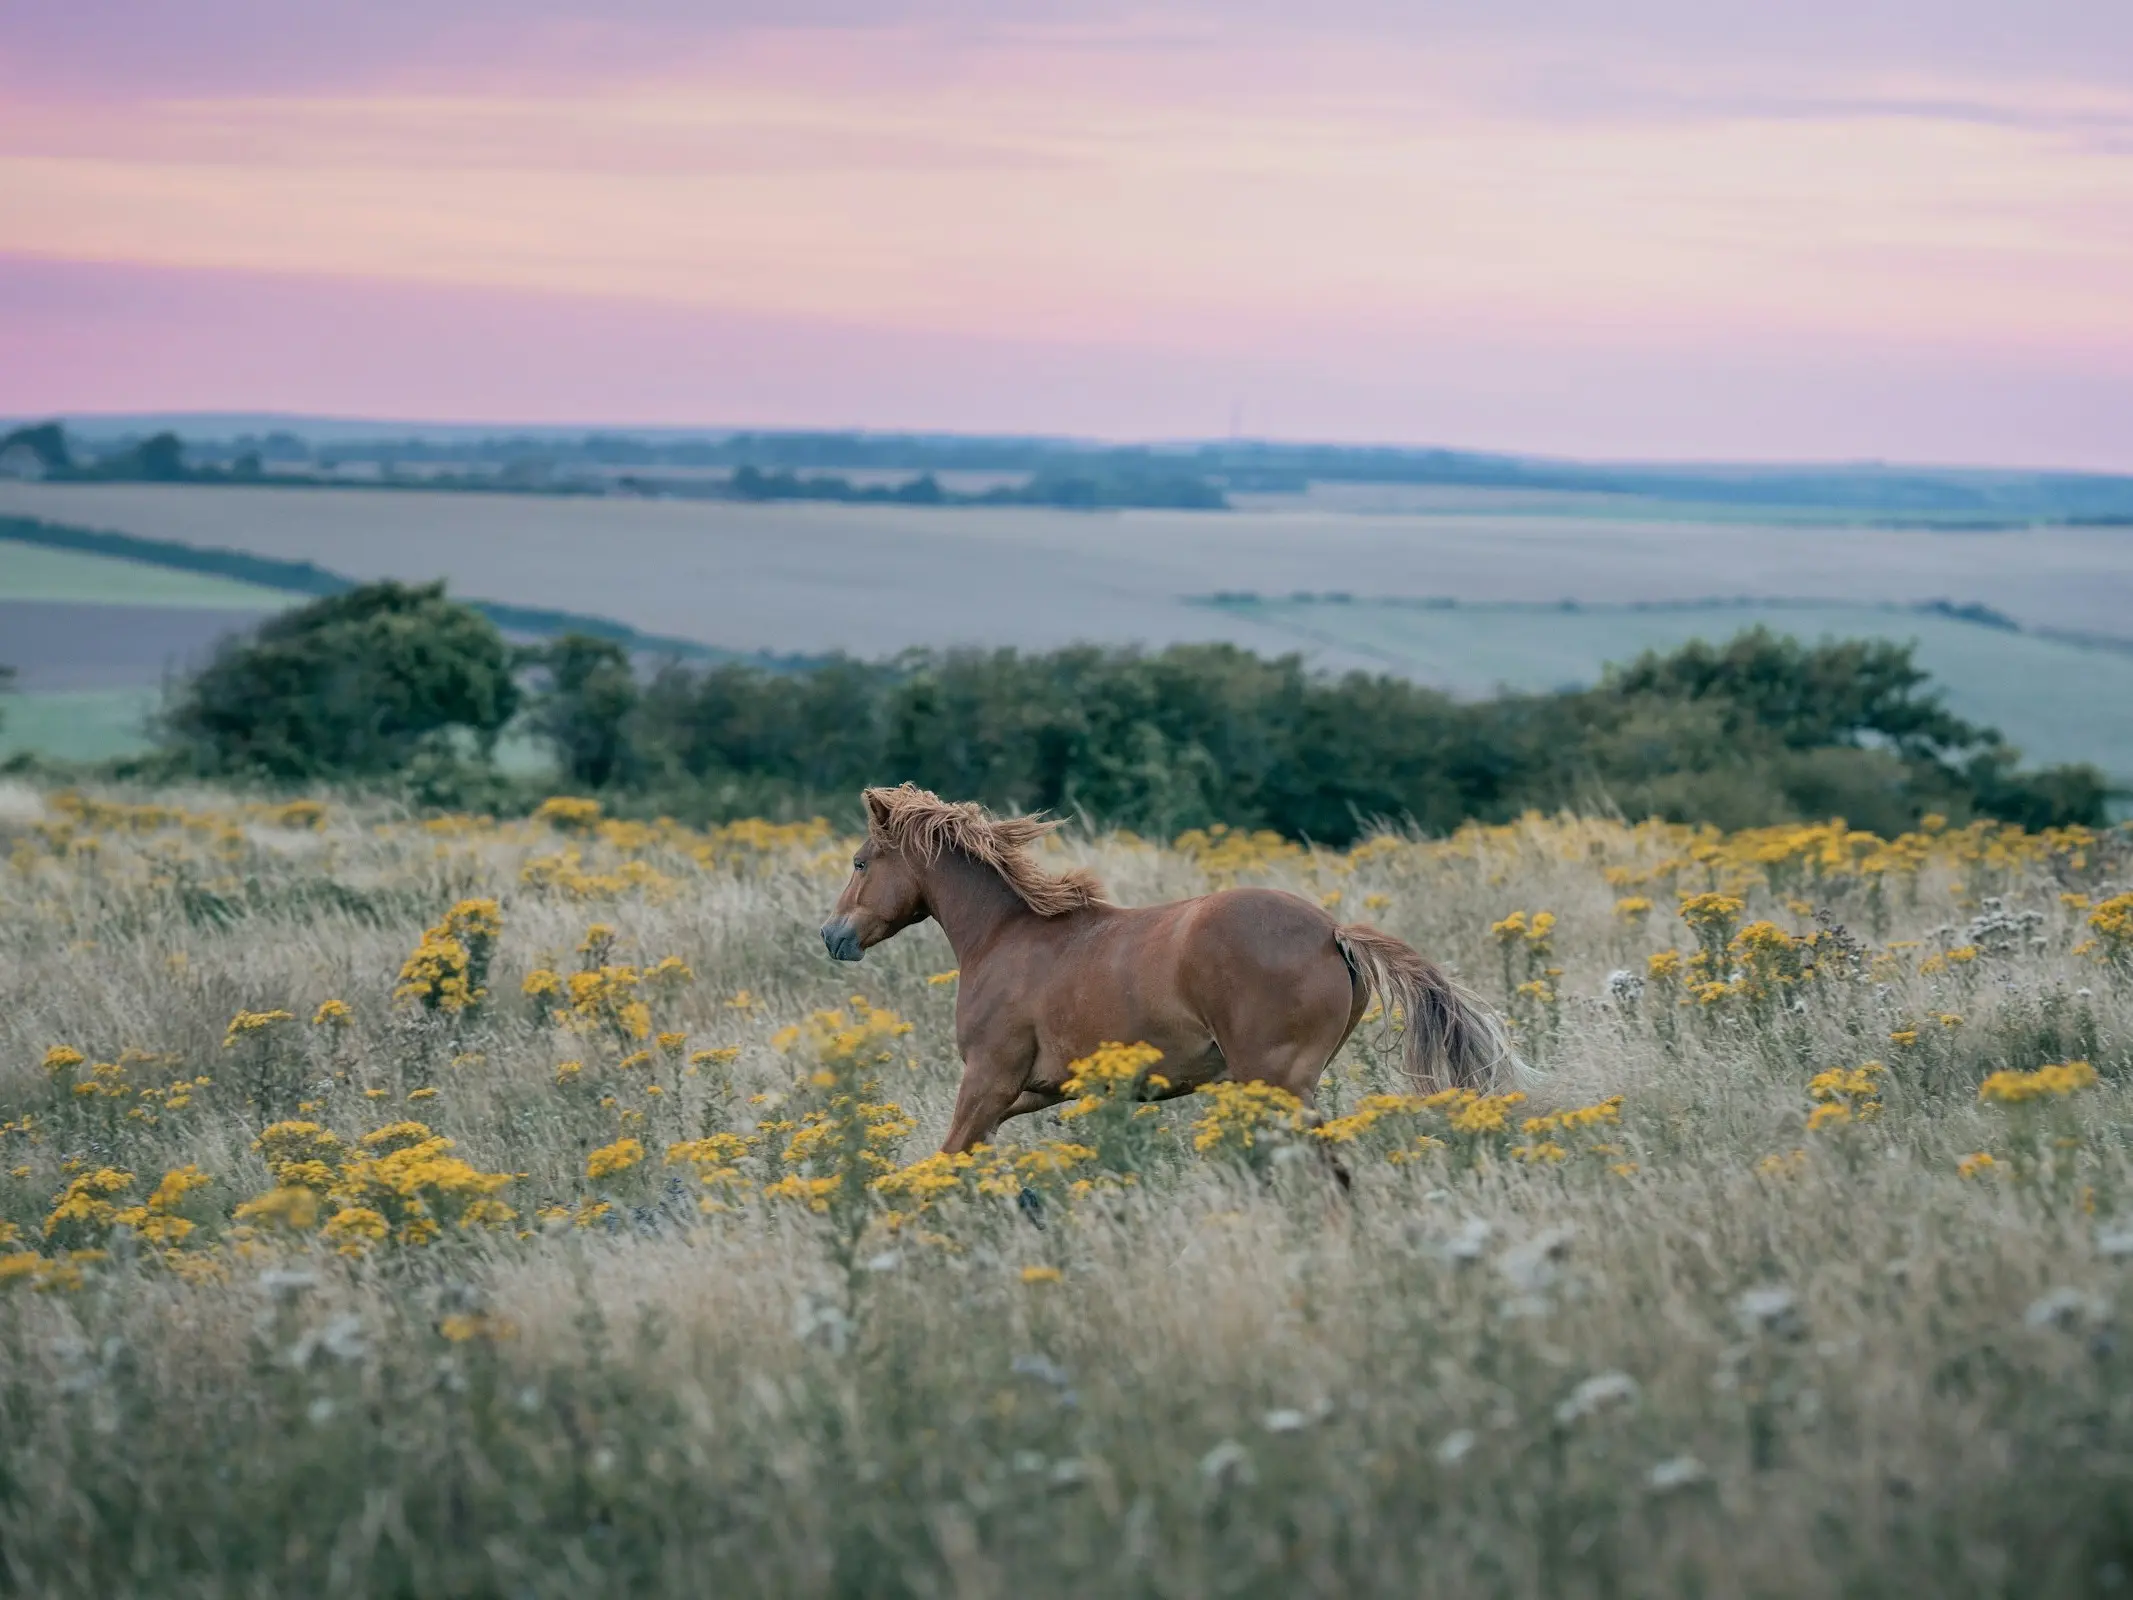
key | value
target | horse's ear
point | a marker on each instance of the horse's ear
(877, 804)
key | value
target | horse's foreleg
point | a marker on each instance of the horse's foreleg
(989, 1095)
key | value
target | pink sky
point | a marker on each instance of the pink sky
(1649, 228)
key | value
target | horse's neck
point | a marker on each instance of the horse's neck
(973, 905)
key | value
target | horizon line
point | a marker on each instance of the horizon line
(496, 429)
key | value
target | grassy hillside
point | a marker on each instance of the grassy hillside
(321, 1282)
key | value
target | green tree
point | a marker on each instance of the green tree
(587, 707)
(354, 684)
(47, 441)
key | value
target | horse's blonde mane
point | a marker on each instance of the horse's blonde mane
(920, 821)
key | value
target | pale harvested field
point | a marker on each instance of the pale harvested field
(871, 580)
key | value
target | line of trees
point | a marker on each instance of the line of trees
(390, 679)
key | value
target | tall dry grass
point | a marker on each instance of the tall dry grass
(1765, 1361)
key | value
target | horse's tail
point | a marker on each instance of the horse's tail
(1453, 1039)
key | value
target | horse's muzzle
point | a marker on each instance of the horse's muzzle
(841, 939)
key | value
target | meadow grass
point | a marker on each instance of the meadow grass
(681, 1308)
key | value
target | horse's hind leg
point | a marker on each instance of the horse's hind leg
(1291, 1046)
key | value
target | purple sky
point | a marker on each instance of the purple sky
(1648, 228)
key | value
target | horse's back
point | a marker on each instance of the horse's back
(1241, 964)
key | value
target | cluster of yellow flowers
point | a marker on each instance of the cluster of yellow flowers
(1116, 1075)
(397, 1183)
(2055, 1082)
(450, 968)
(1844, 1095)
(1756, 964)
(2112, 922)
(1587, 1127)
(1227, 854)
(114, 1084)
(566, 874)
(604, 996)
(1233, 1116)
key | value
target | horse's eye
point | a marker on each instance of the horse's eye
(858, 865)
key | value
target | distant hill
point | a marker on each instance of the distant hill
(1911, 495)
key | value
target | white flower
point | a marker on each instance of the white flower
(1453, 1447)
(1470, 1243)
(1772, 1309)
(342, 1339)
(1676, 1472)
(1532, 1266)
(2065, 1308)
(1227, 1463)
(1043, 1369)
(1601, 1392)
(1284, 1421)
(284, 1284)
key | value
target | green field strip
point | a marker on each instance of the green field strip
(77, 724)
(167, 565)
(40, 573)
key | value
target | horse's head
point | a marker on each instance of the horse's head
(884, 897)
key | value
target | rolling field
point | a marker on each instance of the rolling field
(807, 579)
(1802, 1271)
(872, 580)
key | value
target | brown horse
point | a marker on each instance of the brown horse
(1254, 984)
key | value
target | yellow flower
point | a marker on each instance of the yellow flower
(1041, 1275)
(1976, 1165)
(246, 1023)
(334, 1013)
(949, 976)
(291, 1206)
(462, 1326)
(62, 1058)
(355, 1230)
(2054, 1082)
(1702, 911)
(610, 1159)
(567, 813)
(1633, 908)
(422, 1094)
